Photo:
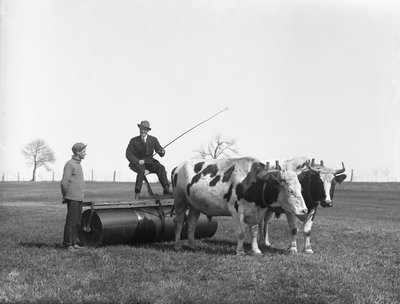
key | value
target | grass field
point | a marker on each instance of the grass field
(356, 260)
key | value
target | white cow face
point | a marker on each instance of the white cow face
(322, 184)
(290, 197)
(327, 178)
(317, 180)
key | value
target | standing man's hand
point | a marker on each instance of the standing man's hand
(141, 162)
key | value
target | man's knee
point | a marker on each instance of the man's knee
(156, 168)
(137, 168)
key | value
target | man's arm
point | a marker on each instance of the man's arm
(68, 169)
(129, 154)
(157, 147)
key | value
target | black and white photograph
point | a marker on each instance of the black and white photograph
(199, 151)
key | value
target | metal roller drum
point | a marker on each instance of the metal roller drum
(135, 224)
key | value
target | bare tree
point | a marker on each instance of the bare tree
(38, 154)
(218, 147)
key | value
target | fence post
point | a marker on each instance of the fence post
(18, 176)
(2, 177)
(114, 176)
(351, 176)
(92, 174)
(53, 177)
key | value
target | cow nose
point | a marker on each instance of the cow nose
(304, 211)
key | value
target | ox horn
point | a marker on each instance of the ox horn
(310, 167)
(338, 171)
(277, 165)
(322, 162)
(267, 166)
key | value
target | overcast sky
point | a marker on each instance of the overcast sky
(313, 78)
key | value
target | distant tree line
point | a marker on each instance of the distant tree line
(38, 154)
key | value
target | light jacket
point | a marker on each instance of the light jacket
(72, 182)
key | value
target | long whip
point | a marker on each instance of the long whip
(192, 128)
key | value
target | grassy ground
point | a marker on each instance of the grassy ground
(356, 260)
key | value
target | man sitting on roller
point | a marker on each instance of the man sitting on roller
(140, 153)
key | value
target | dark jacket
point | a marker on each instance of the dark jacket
(137, 150)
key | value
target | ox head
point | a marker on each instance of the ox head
(290, 197)
(319, 183)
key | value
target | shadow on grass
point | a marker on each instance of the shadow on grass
(247, 247)
(207, 246)
(210, 247)
(41, 245)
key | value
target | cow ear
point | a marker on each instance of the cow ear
(302, 167)
(340, 178)
(302, 175)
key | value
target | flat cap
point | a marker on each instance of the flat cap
(78, 147)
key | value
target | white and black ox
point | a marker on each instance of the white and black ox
(237, 187)
(318, 185)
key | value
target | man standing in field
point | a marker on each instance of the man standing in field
(72, 189)
(140, 155)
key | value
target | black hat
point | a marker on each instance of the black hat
(144, 124)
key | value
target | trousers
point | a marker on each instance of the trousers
(153, 166)
(72, 222)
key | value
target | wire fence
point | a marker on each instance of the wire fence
(90, 176)
(123, 176)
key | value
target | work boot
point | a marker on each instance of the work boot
(167, 191)
(69, 248)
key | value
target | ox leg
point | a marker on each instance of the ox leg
(307, 233)
(291, 218)
(240, 227)
(254, 239)
(264, 236)
(180, 211)
(191, 221)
